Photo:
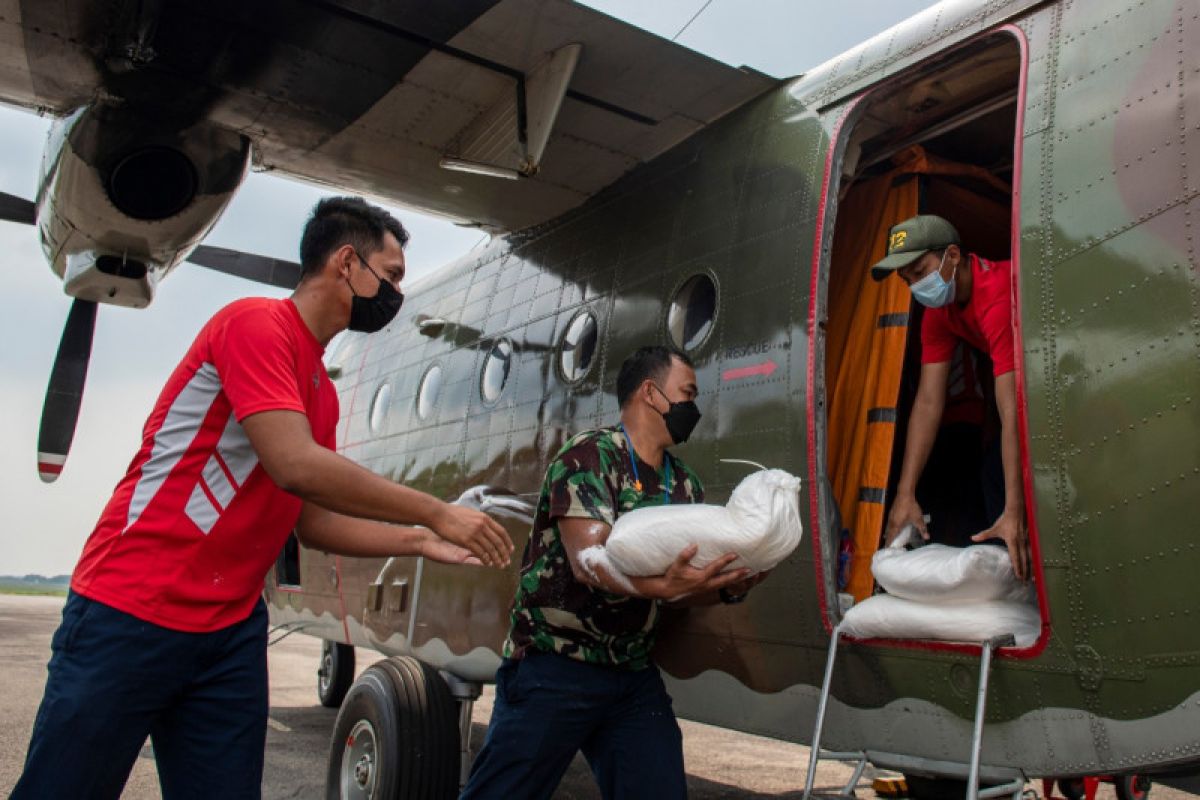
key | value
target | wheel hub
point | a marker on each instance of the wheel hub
(325, 671)
(362, 771)
(359, 773)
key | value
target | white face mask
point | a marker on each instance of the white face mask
(933, 291)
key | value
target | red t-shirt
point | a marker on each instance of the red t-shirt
(196, 522)
(964, 392)
(985, 322)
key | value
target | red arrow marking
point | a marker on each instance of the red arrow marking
(764, 369)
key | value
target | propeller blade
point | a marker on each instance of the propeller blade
(17, 209)
(65, 392)
(262, 269)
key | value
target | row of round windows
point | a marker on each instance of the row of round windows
(690, 319)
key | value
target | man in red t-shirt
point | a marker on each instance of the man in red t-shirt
(967, 299)
(164, 630)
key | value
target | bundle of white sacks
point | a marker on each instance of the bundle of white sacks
(965, 594)
(760, 523)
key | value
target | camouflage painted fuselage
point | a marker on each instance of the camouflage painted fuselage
(1105, 248)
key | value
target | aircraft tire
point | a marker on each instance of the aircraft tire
(1072, 788)
(335, 674)
(1132, 787)
(923, 788)
(397, 731)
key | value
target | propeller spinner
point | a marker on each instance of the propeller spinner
(60, 412)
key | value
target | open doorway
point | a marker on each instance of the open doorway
(939, 140)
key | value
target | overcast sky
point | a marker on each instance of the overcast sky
(44, 526)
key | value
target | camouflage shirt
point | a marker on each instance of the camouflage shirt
(592, 477)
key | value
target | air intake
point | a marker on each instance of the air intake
(152, 183)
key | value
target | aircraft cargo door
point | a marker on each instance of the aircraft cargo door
(941, 139)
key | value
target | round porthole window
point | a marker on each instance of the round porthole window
(427, 395)
(578, 347)
(692, 313)
(496, 367)
(379, 407)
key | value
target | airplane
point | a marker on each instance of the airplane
(640, 192)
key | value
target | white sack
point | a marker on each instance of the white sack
(940, 574)
(761, 523)
(888, 617)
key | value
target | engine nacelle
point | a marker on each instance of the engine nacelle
(123, 199)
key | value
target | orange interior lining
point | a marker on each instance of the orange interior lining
(863, 361)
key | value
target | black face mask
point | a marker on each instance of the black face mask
(681, 418)
(370, 314)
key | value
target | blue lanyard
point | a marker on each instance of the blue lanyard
(637, 482)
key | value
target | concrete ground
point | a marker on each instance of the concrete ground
(720, 763)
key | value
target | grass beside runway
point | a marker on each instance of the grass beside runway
(47, 591)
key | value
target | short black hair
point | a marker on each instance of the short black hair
(336, 221)
(651, 361)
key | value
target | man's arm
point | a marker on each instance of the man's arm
(328, 531)
(1011, 525)
(298, 465)
(922, 431)
(584, 538)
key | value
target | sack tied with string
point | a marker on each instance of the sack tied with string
(760, 523)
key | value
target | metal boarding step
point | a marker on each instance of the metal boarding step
(1012, 781)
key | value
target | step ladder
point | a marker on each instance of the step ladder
(1012, 788)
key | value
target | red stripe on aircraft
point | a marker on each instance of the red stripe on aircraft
(764, 369)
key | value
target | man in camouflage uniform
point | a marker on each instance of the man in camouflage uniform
(577, 673)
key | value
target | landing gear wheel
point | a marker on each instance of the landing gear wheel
(1072, 788)
(396, 736)
(1132, 787)
(335, 674)
(922, 788)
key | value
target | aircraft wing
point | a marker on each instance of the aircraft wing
(378, 98)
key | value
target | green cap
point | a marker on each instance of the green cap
(912, 239)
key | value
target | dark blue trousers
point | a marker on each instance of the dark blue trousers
(548, 707)
(115, 679)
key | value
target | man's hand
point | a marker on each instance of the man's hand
(475, 531)
(1011, 525)
(1011, 528)
(905, 510)
(443, 552)
(682, 579)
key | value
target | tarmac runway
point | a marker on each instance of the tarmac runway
(720, 763)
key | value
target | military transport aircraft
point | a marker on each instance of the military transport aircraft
(642, 192)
